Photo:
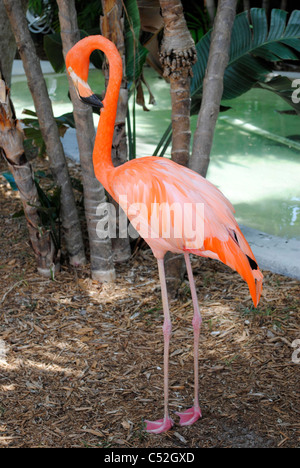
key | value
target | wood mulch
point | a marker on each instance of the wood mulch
(81, 363)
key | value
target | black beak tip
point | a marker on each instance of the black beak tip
(92, 100)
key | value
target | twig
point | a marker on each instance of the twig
(10, 289)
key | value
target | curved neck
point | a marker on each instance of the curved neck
(104, 138)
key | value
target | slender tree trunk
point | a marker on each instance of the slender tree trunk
(213, 85)
(38, 89)
(283, 4)
(211, 10)
(102, 266)
(112, 27)
(246, 5)
(7, 45)
(12, 149)
(266, 4)
(178, 54)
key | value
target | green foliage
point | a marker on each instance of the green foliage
(88, 13)
(48, 208)
(54, 51)
(255, 46)
(135, 53)
(10, 179)
(33, 134)
(37, 6)
(49, 211)
(196, 18)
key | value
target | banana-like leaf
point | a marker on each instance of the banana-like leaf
(255, 46)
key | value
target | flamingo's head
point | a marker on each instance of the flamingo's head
(78, 69)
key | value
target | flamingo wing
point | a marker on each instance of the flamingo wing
(174, 208)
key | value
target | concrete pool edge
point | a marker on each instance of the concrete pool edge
(276, 254)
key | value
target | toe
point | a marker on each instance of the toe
(159, 426)
(190, 416)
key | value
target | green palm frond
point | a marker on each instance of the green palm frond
(255, 46)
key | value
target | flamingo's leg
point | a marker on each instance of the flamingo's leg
(192, 415)
(163, 425)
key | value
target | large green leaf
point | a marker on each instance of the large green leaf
(255, 46)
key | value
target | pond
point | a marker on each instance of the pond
(255, 158)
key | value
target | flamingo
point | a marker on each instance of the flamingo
(147, 189)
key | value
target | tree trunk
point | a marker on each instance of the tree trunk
(211, 10)
(213, 85)
(102, 267)
(266, 4)
(246, 5)
(12, 149)
(178, 54)
(7, 45)
(283, 5)
(112, 27)
(38, 89)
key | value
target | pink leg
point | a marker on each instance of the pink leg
(163, 425)
(192, 415)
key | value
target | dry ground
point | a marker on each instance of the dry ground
(81, 364)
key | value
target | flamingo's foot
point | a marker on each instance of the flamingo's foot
(189, 416)
(159, 426)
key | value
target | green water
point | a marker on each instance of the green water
(259, 174)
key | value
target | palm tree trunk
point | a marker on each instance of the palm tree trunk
(178, 54)
(213, 85)
(38, 89)
(102, 266)
(12, 149)
(112, 27)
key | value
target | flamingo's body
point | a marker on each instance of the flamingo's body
(148, 189)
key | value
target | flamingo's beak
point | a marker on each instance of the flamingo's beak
(84, 92)
(92, 100)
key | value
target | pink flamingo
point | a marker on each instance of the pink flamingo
(148, 189)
